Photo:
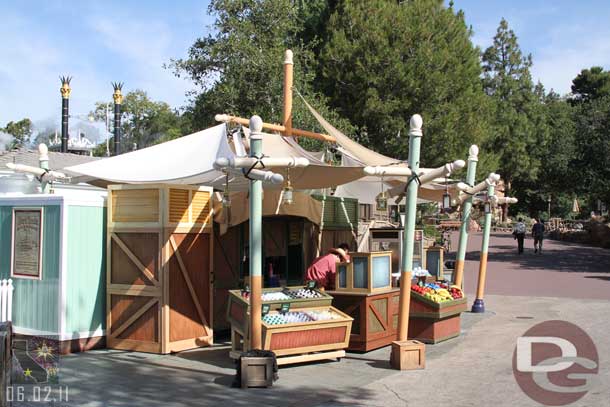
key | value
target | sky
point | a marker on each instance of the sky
(129, 41)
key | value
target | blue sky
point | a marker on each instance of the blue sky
(99, 42)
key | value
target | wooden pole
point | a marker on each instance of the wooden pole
(225, 118)
(256, 247)
(415, 135)
(473, 158)
(288, 76)
(479, 305)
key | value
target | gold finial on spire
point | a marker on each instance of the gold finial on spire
(65, 86)
(117, 95)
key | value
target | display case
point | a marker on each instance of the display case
(433, 322)
(300, 335)
(365, 273)
(435, 262)
(238, 309)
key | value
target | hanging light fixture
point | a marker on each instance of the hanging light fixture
(382, 199)
(487, 205)
(446, 198)
(226, 197)
(287, 192)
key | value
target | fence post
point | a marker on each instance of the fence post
(6, 361)
(3, 298)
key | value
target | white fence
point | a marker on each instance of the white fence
(6, 300)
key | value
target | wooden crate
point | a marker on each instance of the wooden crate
(304, 341)
(408, 355)
(365, 273)
(159, 257)
(238, 308)
(375, 317)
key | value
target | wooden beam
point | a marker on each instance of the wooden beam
(225, 118)
(133, 318)
(149, 275)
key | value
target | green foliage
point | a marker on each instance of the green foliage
(593, 149)
(519, 129)
(144, 122)
(590, 84)
(385, 61)
(21, 132)
(239, 68)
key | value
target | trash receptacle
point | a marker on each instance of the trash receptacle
(256, 368)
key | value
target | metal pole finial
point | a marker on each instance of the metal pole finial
(473, 153)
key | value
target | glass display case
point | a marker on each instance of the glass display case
(367, 272)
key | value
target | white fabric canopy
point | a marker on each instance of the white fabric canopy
(185, 160)
(190, 160)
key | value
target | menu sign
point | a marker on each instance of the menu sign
(27, 243)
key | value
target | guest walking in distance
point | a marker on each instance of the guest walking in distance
(538, 235)
(519, 234)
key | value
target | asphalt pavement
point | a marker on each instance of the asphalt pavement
(566, 282)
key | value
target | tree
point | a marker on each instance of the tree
(386, 60)
(519, 127)
(590, 165)
(21, 132)
(238, 68)
(144, 122)
(590, 84)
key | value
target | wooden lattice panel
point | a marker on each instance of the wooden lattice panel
(135, 205)
(179, 205)
(201, 207)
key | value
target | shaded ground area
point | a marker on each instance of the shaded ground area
(203, 378)
(563, 269)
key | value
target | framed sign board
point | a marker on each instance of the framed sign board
(26, 249)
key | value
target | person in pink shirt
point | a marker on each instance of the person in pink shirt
(323, 269)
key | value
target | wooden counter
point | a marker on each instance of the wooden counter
(375, 317)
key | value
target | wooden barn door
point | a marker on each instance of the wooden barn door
(188, 290)
(134, 291)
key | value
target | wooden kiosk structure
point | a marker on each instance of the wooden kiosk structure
(159, 257)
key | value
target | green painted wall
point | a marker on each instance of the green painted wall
(35, 302)
(86, 276)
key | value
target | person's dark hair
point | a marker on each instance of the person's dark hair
(520, 219)
(344, 246)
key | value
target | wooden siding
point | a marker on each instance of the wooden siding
(35, 302)
(86, 277)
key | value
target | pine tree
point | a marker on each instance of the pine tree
(385, 61)
(519, 129)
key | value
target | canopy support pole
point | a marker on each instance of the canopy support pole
(402, 347)
(225, 118)
(479, 305)
(256, 220)
(473, 158)
(288, 79)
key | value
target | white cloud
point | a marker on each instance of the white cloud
(34, 56)
(143, 47)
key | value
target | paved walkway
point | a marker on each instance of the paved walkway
(566, 270)
(472, 370)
